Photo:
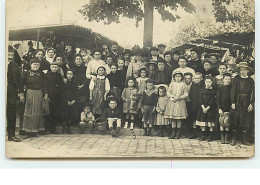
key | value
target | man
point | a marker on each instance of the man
(195, 62)
(161, 48)
(16, 58)
(14, 87)
(113, 52)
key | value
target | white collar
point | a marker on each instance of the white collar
(244, 76)
(101, 77)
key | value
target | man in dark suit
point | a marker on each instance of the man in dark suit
(14, 87)
(113, 53)
(17, 59)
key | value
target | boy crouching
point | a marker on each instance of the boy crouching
(113, 114)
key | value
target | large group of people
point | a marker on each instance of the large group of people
(195, 95)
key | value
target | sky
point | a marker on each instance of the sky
(21, 13)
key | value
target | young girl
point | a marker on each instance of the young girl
(85, 56)
(126, 94)
(141, 79)
(224, 106)
(242, 99)
(207, 112)
(176, 108)
(70, 108)
(148, 104)
(218, 80)
(135, 64)
(98, 91)
(160, 109)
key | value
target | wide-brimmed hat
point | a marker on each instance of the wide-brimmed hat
(151, 62)
(161, 45)
(138, 73)
(244, 65)
(224, 119)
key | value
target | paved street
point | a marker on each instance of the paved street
(76, 145)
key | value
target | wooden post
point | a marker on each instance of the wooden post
(148, 23)
(38, 37)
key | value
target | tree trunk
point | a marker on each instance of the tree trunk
(148, 24)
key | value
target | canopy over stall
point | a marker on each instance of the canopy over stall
(70, 34)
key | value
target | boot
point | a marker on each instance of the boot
(149, 131)
(178, 133)
(222, 137)
(112, 131)
(210, 138)
(63, 129)
(234, 138)
(145, 132)
(202, 136)
(117, 131)
(244, 138)
(227, 137)
(169, 130)
(68, 130)
(173, 133)
(161, 131)
(193, 133)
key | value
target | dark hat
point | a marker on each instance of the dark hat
(135, 48)
(114, 43)
(17, 44)
(54, 63)
(154, 48)
(161, 60)
(161, 45)
(10, 48)
(127, 51)
(30, 43)
(34, 60)
(138, 52)
(151, 62)
(177, 52)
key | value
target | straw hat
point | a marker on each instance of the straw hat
(224, 119)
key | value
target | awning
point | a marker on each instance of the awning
(68, 33)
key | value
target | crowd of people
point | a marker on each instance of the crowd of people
(190, 96)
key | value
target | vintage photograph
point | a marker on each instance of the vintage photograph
(130, 79)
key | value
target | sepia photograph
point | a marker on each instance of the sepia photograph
(130, 79)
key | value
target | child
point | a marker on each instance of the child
(242, 98)
(188, 121)
(126, 97)
(218, 80)
(224, 106)
(86, 57)
(114, 81)
(113, 114)
(98, 91)
(141, 79)
(69, 93)
(54, 87)
(176, 108)
(152, 65)
(208, 70)
(148, 104)
(206, 114)
(135, 64)
(86, 119)
(161, 75)
(194, 100)
(121, 70)
(160, 109)
(109, 60)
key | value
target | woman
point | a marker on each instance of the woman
(49, 58)
(36, 94)
(94, 64)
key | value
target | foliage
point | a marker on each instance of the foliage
(110, 11)
(241, 20)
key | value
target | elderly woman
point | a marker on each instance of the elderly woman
(94, 64)
(36, 94)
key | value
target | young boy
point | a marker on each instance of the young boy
(114, 81)
(194, 98)
(218, 80)
(188, 122)
(86, 119)
(208, 70)
(54, 87)
(113, 114)
(224, 106)
(242, 99)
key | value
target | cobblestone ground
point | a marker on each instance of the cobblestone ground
(73, 146)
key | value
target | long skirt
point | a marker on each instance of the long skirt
(176, 110)
(33, 120)
(98, 101)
